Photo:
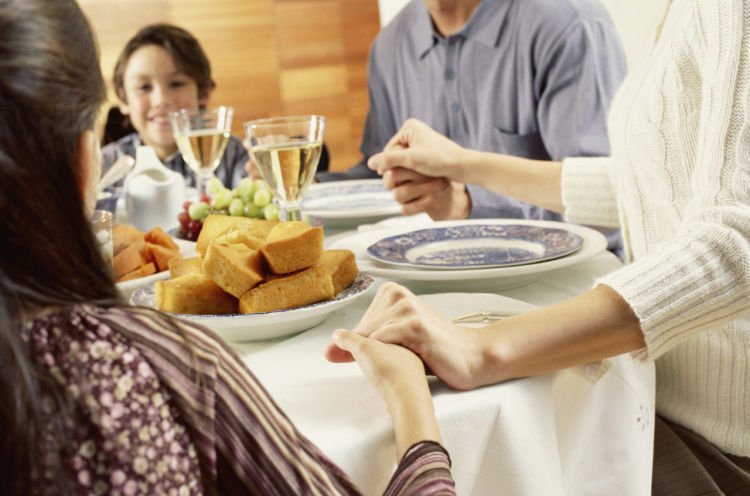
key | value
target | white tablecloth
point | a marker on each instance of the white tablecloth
(561, 433)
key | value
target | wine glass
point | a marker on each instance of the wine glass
(202, 135)
(286, 152)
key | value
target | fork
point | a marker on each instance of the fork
(482, 317)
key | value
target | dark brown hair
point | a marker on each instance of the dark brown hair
(186, 51)
(51, 90)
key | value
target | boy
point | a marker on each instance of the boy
(163, 68)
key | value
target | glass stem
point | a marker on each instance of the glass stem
(292, 213)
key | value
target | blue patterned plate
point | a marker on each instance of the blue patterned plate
(268, 325)
(475, 246)
(366, 198)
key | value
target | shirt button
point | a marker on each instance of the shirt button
(455, 107)
(450, 74)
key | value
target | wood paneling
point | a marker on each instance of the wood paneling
(269, 57)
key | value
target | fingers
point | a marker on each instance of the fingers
(413, 191)
(334, 354)
(348, 341)
(389, 159)
(392, 301)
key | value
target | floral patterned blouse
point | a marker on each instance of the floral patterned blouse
(162, 406)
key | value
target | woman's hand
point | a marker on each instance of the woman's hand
(416, 146)
(392, 369)
(396, 316)
(399, 376)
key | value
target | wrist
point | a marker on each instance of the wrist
(465, 159)
(495, 359)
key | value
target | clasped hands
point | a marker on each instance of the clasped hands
(420, 166)
(398, 333)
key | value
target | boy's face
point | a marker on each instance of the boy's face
(154, 87)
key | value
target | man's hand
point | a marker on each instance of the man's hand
(438, 197)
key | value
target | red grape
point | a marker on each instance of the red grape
(184, 219)
(205, 198)
(186, 205)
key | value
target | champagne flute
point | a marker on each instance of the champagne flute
(286, 152)
(202, 135)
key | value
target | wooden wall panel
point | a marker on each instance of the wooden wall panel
(269, 57)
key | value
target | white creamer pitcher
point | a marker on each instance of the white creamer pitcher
(153, 193)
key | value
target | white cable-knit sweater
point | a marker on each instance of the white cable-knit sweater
(678, 184)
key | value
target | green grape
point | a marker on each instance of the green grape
(261, 184)
(198, 210)
(253, 210)
(271, 212)
(262, 197)
(214, 186)
(222, 199)
(236, 207)
(246, 190)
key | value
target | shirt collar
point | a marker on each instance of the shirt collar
(138, 142)
(483, 26)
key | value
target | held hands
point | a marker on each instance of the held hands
(422, 168)
(438, 197)
(419, 148)
(396, 316)
(392, 369)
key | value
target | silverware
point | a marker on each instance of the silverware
(119, 169)
(483, 317)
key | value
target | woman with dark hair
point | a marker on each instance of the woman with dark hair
(101, 398)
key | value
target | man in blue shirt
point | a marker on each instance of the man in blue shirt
(532, 78)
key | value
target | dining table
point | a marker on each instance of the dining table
(578, 431)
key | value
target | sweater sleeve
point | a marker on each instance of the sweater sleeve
(588, 192)
(700, 278)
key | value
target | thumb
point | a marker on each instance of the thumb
(348, 341)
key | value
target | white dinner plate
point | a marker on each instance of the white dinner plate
(350, 202)
(474, 246)
(187, 250)
(269, 325)
(487, 279)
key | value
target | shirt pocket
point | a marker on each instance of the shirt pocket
(522, 145)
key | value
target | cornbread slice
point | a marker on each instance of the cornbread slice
(306, 287)
(235, 268)
(129, 259)
(194, 294)
(181, 266)
(245, 237)
(142, 271)
(343, 268)
(157, 236)
(292, 246)
(216, 225)
(124, 235)
(161, 255)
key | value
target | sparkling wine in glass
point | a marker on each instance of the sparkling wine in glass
(202, 136)
(286, 151)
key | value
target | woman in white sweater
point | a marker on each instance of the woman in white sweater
(678, 185)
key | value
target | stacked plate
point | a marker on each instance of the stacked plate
(350, 203)
(484, 254)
